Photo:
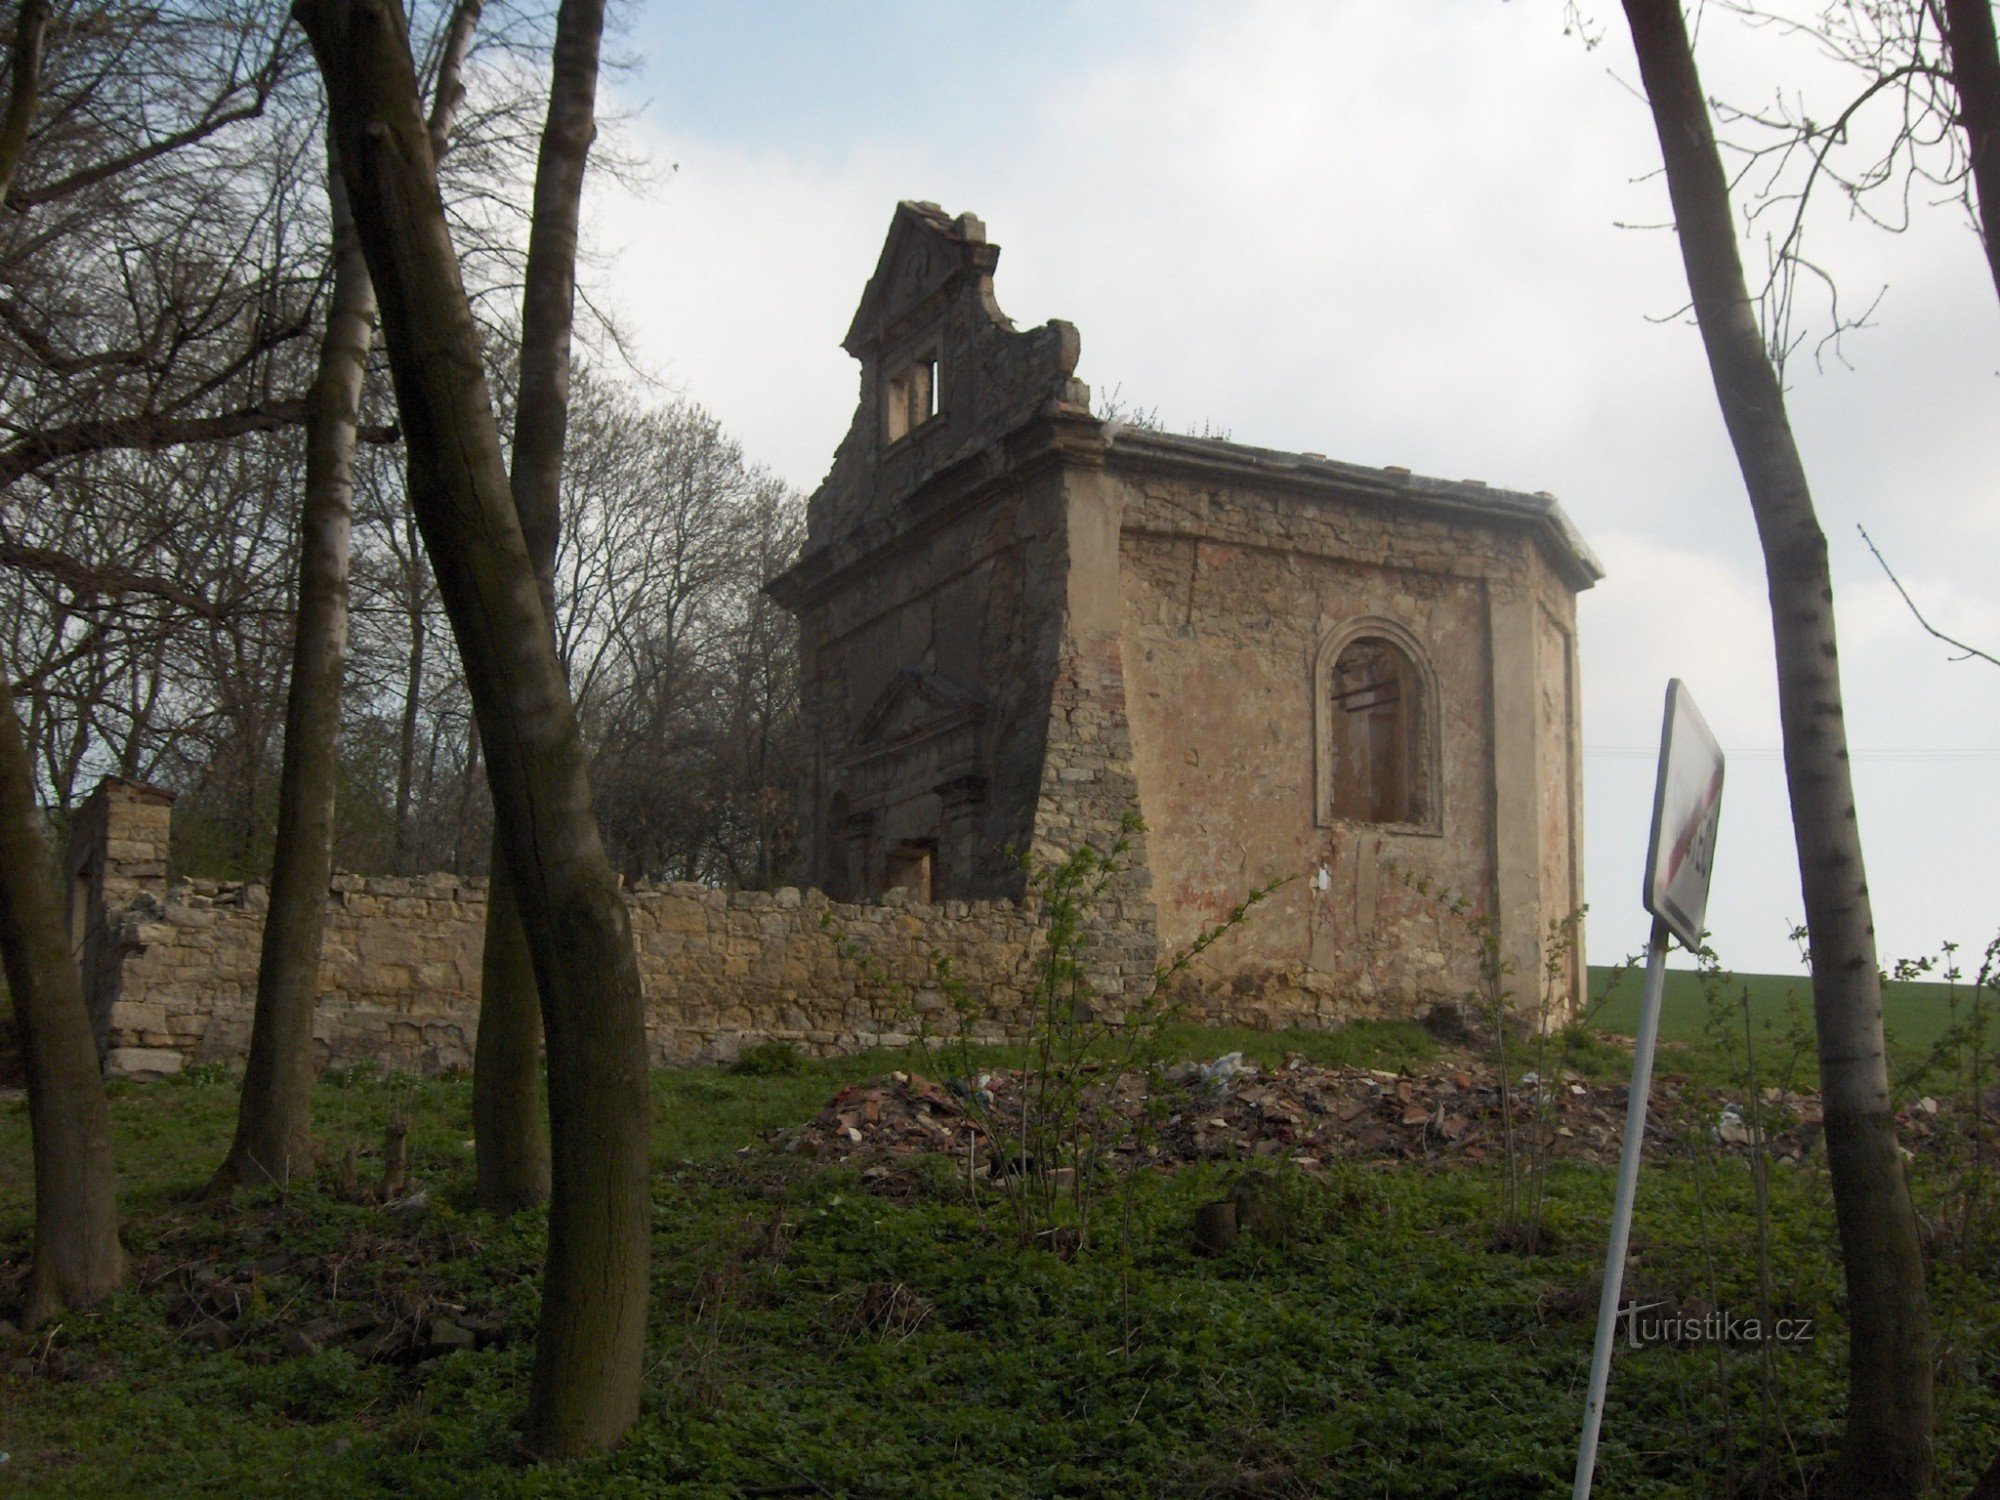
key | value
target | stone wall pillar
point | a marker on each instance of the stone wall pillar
(116, 855)
(1517, 863)
(1088, 782)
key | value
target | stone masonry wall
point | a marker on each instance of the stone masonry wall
(400, 972)
(1239, 572)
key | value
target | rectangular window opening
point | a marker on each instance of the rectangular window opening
(912, 868)
(909, 398)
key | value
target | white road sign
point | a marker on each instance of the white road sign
(1687, 805)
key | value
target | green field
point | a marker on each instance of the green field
(1915, 1014)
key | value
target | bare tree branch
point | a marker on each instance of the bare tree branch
(95, 578)
(1952, 641)
(215, 118)
(151, 431)
(448, 96)
(1931, 70)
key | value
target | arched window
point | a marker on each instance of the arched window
(1371, 733)
(1374, 717)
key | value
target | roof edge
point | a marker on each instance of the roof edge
(1124, 444)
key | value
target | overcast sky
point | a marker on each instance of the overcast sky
(1392, 234)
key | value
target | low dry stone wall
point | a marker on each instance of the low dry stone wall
(399, 978)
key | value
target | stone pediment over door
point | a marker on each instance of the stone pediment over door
(920, 730)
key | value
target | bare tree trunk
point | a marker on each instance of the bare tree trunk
(468, 787)
(77, 1257)
(1975, 75)
(1887, 1450)
(406, 746)
(513, 1169)
(510, 1143)
(24, 87)
(591, 1340)
(274, 1117)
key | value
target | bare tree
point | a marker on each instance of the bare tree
(77, 1256)
(591, 1338)
(763, 747)
(146, 294)
(510, 1145)
(151, 299)
(148, 605)
(684, 676)
(1923, 121)
(1887, 1449)
(274, 1120)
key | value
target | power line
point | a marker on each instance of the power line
(1947, 755)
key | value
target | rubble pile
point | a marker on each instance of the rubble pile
(1302, 1112)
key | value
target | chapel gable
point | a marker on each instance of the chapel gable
(944, 373)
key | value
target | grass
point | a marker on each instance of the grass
(813, 1333)
(1915, 1013)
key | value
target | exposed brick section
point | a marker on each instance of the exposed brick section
(1087, 789)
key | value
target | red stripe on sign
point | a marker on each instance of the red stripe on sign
(1686, 841)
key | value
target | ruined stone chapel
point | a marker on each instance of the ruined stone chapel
(1019, 621)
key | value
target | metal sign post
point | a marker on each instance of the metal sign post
(1687, 805)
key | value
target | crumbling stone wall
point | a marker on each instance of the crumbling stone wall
(399, 974)
(722, 970)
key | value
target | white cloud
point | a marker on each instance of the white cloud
(737, 277)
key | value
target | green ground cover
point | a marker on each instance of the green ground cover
(1915, 1013)
(815, 1333)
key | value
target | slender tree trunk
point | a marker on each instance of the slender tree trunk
(506, 1125)
(1975, 76)
(77, 1257)
(274, 1116)
(510, 1142)
(590, 1344)
(406, 747)
(24, 88)
(1887, 1450)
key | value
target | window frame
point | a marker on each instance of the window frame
(1425, 761)
(917, 402)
